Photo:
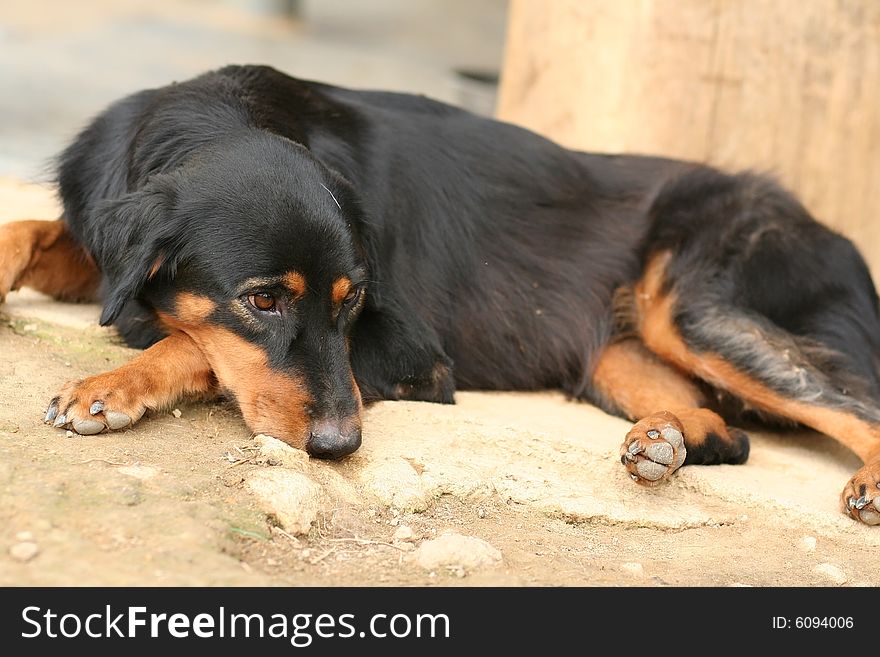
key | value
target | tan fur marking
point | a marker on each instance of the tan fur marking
(157, 264)
(340, 290)
(699, 423)
(173, 367)
(639, 383)
(271, 402)
(44, 256)
(642, 385)
(661, 336)
(296, 283)
(192, 308)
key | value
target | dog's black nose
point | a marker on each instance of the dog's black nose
(333, 440)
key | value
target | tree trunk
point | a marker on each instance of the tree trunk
(787, 87)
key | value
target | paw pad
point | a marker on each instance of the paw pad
(654, 449)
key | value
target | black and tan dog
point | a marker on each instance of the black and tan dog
(307, 248)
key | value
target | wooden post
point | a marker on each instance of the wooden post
(789, 87)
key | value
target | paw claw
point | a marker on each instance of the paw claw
(60, 421)
(52, 411)
(96, 408)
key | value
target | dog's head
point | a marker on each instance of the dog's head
(249, 247)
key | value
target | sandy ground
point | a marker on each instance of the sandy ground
(507, 489)
(194, 500)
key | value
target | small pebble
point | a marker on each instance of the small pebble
(277, 452)
(24, 536)
(403, 533)
(454, 550)
(24, 551)
(138, 471)
(394, 522)
(633, 568)
(306, 553)
(832, 572)
(808, 543)
(176, 412)
(69, 434)
(293, 498)
(481, 513)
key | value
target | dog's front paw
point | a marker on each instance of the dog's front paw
(861, 496)
(654, 448)
(437, 385)
(98, 403)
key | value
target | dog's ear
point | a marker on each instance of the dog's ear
(364, 230)
(136, 236)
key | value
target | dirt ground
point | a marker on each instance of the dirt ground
(176, 501)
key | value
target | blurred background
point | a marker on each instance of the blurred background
(65, 60)
(789, 87)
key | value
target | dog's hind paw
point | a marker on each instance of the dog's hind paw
(861, 496)
(654, 448)
(99, 403)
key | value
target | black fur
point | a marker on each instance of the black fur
(713, 449)
(489, 255)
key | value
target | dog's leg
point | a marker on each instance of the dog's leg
(673, 428)
(43, 255)
(770, 369)
(395, 356)
(173, 367)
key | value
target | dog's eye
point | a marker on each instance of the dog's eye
(352, 297)
(263, 301)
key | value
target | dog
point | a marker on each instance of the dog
(308, 249)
